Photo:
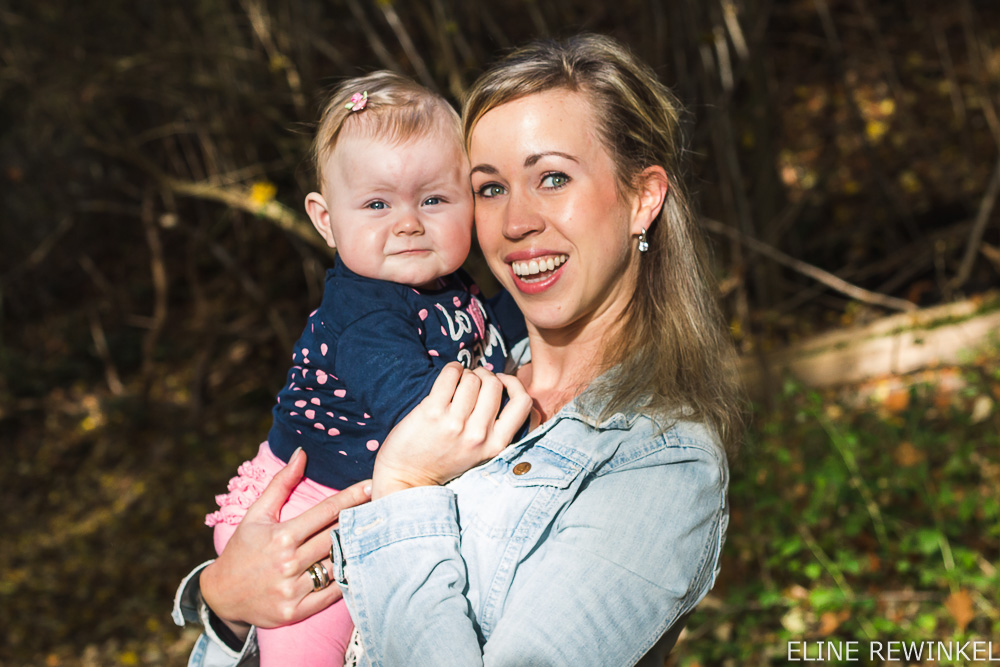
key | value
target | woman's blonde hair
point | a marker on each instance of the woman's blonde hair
(396, 109)
(674, 355)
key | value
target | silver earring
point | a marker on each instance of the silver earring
(643, 243)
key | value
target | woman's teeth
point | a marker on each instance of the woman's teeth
(538, 265)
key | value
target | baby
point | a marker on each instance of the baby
(397, 205)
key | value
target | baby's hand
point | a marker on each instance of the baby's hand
(455, 428)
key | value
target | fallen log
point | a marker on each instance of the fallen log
(895, 345)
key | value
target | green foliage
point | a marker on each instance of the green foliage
(851, 521)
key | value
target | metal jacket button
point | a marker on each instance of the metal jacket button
(522, 468)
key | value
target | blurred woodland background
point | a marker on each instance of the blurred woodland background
(156, 266)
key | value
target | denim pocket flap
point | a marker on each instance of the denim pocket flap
(542, 467)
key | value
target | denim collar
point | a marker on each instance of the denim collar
(583, 408)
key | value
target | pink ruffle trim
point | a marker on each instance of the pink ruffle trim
(244, 489)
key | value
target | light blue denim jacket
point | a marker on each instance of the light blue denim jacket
(581, 544)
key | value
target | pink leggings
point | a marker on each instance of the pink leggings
(320, 639)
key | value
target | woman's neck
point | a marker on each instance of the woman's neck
(563, 364)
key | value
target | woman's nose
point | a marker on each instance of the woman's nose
(407, 225)
(521, 217)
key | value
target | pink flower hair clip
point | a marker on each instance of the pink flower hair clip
(358, 101)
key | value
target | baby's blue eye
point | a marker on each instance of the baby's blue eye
(555, 180)
(491, 190)
(376, 205)
(432, 201)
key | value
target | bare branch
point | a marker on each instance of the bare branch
(234, 196)
(104, 352)
(376, 43)
(976, 235)
(239, 198)
(392, 18)
(806, 269)
(158, 271)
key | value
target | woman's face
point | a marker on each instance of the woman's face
(548, 215)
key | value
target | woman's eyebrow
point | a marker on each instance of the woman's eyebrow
(532, 159)
(529, 161)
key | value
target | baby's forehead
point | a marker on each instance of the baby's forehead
(442, 137)
(426, 160)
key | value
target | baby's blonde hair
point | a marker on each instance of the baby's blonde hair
(397, 109)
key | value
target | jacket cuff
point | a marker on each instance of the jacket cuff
(190, 607)
(425, 511)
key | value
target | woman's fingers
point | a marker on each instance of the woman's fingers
(275, 495)
(443, 389)
(319, 519)
(514, 413)
(466, 396)
(319, 600)
(480, 422)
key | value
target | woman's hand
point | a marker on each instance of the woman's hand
(260, 578)
(452, 430)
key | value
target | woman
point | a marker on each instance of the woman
(592, 537)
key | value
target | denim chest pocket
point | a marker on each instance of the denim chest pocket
(520, 494)
(541, 467)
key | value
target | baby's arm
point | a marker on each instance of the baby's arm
(504, 313)
(382, 357)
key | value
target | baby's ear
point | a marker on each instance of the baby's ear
(318, 212)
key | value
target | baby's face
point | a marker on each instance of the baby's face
(400, 211)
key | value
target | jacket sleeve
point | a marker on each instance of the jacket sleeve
(209, 649)
(630, 556)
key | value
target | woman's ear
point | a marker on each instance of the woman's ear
(649, 198)
(319, 213)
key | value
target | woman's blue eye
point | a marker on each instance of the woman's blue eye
(491, 190)
(376, 205)
(433, 201)
(556, 180)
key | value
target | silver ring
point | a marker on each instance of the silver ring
(319, 576)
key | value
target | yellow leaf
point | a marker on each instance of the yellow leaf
(278, 62)
(959, 605)
(263, 192)
(876, 129)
